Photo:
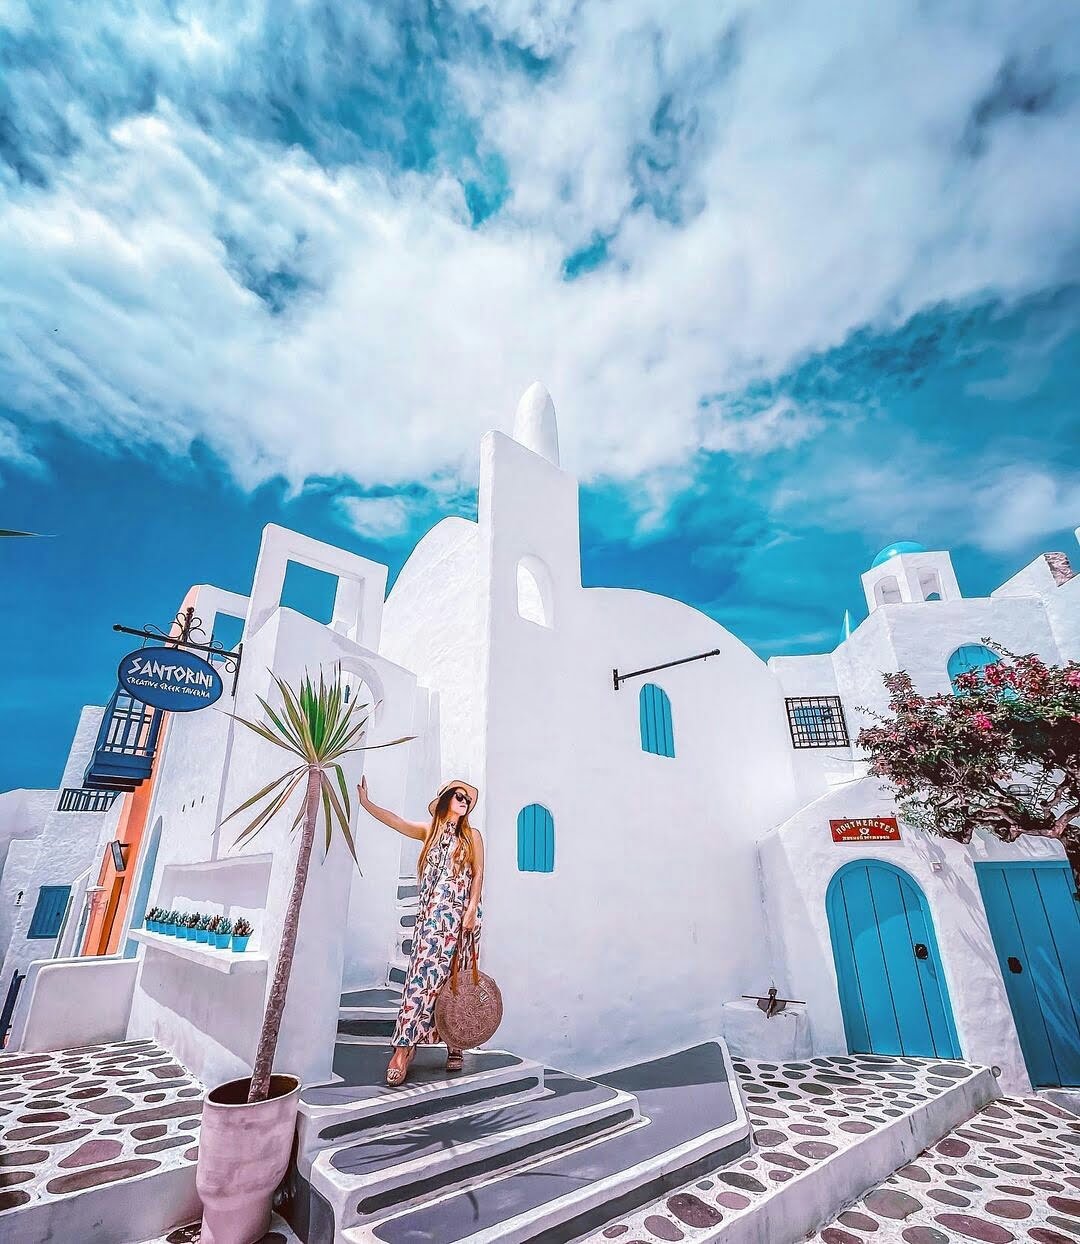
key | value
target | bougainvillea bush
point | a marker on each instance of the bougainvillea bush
(1002, 754)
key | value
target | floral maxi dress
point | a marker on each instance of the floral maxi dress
(444, 896)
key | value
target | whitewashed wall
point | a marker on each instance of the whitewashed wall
(209, 765)
(606, 958)
(23, 814)
(67, 846)
(800, 859)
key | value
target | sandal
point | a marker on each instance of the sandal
(396, 1076)
(455, 1060)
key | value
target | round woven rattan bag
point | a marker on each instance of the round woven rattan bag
(469, 1008)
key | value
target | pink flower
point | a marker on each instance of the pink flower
(1073, 678)
(982, 721)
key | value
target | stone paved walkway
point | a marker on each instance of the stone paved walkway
(1011, 1173)
(79, 1118)
(802, 1113)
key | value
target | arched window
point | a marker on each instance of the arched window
(887, 591)
(654, 709)
(930, 585)
(535, 840)
(534, 595)
(970, 659)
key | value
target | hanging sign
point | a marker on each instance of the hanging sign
(866, 829)
(170, 678)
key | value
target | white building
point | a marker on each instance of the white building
(654, 851)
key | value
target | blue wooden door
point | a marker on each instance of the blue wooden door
(1035, 924)
(892, 988)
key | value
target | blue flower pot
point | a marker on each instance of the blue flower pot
(189, 933)
(239, 944)
(221, 940)
(202, 935)
(168, 928)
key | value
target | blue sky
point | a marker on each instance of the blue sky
(800, 285)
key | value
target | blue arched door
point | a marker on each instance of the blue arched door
(892, 988)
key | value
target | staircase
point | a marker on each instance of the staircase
(507, 1149)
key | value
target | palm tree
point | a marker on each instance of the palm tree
(318, 726)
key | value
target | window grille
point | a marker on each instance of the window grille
(654, 710)
(76, 799)
(816, 721)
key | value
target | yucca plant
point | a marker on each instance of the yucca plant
(318, 726)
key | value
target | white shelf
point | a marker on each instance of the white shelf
(201, 952)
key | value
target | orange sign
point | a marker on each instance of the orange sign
(866, 829)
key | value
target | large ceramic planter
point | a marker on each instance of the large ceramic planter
(244, 1152)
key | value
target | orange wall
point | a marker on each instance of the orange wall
(103, 930)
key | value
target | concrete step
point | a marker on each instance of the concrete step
(374, 1030)
(691, 1121)
(359, 1103)
(370, 1004)
(369, 1177)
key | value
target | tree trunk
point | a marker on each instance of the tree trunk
(275, 1003)
(1072, 854)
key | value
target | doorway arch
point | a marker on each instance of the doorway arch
(892, 986)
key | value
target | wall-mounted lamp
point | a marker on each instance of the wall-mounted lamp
(117, 848)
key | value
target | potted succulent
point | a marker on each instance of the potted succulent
(246, 1135)
(191, 922)
(150, 920)
(202, 929)
(223, 932)
(172, 923)
(241, 934)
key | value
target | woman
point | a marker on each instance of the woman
(450, 871)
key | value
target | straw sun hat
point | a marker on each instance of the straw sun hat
(471, 791)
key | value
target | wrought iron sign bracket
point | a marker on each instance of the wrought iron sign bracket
(618, 678)
(189, 625)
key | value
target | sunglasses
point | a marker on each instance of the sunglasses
(460, 794)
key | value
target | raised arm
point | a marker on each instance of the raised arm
(411, 829)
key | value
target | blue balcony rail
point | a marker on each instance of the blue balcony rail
(79, 799)
(124, 752)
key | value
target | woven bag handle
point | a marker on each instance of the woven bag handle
(465, 940)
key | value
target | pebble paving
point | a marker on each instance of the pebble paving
(79, 1118)
(1011, 1173)
(801, 1114)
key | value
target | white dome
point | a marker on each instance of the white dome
(535, 426)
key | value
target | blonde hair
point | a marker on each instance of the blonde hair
(464, 850)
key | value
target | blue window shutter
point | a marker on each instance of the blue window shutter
(654, 711)
(971, 659)
(49, 912)
(536, 840)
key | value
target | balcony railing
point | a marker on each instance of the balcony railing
(124, 753)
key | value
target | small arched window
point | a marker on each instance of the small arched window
(887, 591)
(536, 839)
(654, 709)
(534, 594)
(970, 659)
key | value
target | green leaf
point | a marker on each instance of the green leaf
(262, 794)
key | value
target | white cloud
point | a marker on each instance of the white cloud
(377, 517)
(994, 505)
(820, 167)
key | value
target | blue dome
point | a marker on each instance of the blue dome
(892, 550)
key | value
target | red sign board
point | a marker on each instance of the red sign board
(866, 829)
